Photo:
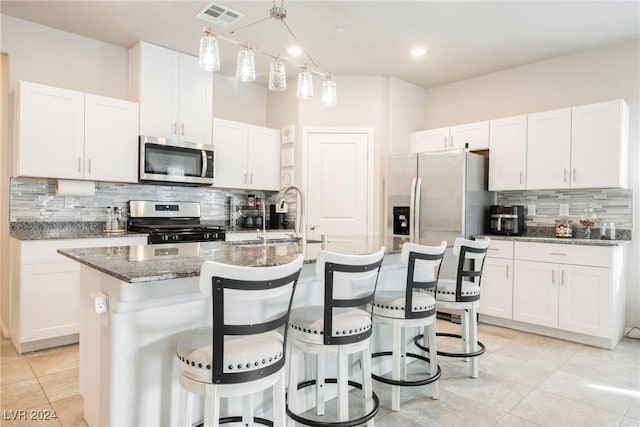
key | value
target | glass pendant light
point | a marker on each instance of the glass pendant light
(305, 84)
(329, 95)
(277, 76)
(246, 69)
(209, 58)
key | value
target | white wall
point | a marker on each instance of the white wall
(406, 113)
(602, 74)
(242, 102)
(45, 55)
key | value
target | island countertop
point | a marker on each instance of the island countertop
(150, 263)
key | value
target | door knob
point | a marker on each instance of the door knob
(313, 227)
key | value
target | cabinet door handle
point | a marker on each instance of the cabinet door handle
(520, 177)
(174, 127)
(182, 129)
(445, 142)
(553, 277)
(250, 178)
(574, 174)
(557, 253)
(562, 278)
(89, 165)
(451, 142)
(79, 164)
(564, 175)
(507, 271)
(245, 178)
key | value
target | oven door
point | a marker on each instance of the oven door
(166, 160)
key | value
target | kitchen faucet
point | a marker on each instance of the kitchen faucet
(301, 226)
(263, 237)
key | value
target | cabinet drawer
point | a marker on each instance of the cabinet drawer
(595, 256)
(500, 249)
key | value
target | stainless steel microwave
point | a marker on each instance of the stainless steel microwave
(168, 160)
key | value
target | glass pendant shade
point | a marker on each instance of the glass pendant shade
(305, 85)
(209, 58)
(277, 76)
(246, 69)
(329, 94)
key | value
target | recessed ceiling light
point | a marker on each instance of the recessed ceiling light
(418, 51)
(340, 29)
(295, 51)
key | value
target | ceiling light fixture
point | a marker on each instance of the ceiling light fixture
(245, 71)
(418, 51)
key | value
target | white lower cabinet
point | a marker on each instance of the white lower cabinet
(45, 290)
(496, 294)
(573, 288)
(573, 292)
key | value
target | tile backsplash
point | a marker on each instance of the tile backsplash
(611, 204)
(36, 200)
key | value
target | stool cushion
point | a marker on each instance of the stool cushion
(392, 303)
(307, 323)
(241, 354)
(447, 290)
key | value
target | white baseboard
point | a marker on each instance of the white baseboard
(4, 330)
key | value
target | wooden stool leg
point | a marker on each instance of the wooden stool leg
(247, 410)
(211, 406)
(292, 399)
(320, 376)
(473, 340)
(367, 382)
(279, 411)
(343, 389)
(397, 362)
(433, 358)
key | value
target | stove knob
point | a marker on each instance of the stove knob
(176, 237)
(165, 237)
(207, 236)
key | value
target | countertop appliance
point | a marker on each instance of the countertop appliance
(171, 222)
(438, 196)
(507, 220)
(167, 160)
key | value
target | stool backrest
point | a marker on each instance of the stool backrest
(423, 270)
(248, 301)
(349, 282)
(471, 255)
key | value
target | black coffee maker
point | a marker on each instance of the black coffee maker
(276, 220)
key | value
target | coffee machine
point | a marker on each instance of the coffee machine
(507, 220)
(277, 219)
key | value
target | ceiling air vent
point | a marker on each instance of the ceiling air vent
(218, 14)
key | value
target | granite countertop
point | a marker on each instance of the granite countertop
(559, 240)
(63, 230)
(149, 263)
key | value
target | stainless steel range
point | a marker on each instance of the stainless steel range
(171, 222)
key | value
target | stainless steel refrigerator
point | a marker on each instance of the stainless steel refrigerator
(438, 196)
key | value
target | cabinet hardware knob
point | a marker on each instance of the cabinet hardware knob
(174, 126)
(79, 164)
(553, 277)
(557, 253)
(182, 129)
(520, 177)
(89, 165)
(574, 174)
(507, 271)
(445, 142)
(564, 175)
(562, 278)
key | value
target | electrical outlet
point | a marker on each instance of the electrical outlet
(70, 202)
(564, 209)
(101, 303)
(531, 210)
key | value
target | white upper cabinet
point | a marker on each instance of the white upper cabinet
(474, 134)
(508, 153)
(247, 156)
(175, 95)
(111, 139)
(549, 149)
(430, 140)
(599, 145)
(68, 134)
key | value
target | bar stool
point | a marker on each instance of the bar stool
(339, 327)
(407, 308)
(244, 351)
(464, 295)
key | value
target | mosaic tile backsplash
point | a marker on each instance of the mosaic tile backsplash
(36, 200)
(611, 204)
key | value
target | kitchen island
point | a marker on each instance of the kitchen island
(138, 301)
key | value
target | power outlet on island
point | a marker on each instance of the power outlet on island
(531, 210)
(564, 209)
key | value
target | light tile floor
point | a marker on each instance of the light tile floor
(525, 380)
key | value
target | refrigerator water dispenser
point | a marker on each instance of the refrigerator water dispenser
(401, 220)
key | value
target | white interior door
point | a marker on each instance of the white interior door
(338, 181)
